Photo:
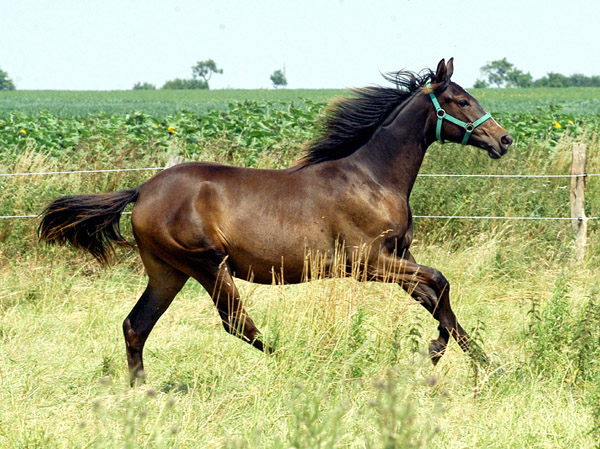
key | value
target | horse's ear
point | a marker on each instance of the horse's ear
(450, 68)
(440, 73)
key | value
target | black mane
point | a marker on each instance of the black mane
(350, 122)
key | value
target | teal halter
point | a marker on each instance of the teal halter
(441, 115)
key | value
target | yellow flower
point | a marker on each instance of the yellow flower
(22, 131)
(571, 122)
(557, 125)
(171, 130)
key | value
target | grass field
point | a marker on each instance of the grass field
(158, 103)
(350, 370)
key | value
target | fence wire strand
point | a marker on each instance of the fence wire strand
(108, 170)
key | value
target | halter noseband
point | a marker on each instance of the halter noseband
(441, 115)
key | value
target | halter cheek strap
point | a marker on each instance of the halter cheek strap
(442, 115)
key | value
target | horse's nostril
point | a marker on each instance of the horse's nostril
(506, 139)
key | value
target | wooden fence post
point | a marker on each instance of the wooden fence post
(579, 221)
(174, 159)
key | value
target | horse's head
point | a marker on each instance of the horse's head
(459, 117)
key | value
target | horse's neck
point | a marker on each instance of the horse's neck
(393, 156)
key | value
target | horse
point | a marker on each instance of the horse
(351, 189)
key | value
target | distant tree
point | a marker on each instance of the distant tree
(553, 80)
(5, 82)
(201, 73)
(144, 86)
(480, 84)
(204, 70)
(518, 78)
(580, 80)
(179, 83)
(497, 71)
(503, 73)
(278, 79)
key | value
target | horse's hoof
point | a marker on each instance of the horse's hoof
(137, 378)
(436, 351)
(267, 349)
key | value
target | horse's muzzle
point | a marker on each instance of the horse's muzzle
(496, 152)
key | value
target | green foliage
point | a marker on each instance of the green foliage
(204, 70)
(549, 123)
(157, 103)
(517, 78)
(185, 84)
(5, 82)
(561, 338)
(553, 80)
(143, 86)
(201, 74)
(497, 71)
(278, 79)
(251, 124)
(548, 334)
(503, 73)
(258, 126)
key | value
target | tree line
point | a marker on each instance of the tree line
(498, 73)
(202, 72)
(501, 73)
(5, 82)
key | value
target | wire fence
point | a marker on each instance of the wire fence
(424, 175)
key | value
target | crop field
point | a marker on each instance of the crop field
(160, 103)
(350, 368)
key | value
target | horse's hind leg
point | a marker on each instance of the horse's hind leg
(164, 283)
(226, 297)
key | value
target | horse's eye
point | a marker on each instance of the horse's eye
(463, 103)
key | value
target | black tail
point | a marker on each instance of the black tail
(90, 222)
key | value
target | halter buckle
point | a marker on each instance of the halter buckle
(441, 113)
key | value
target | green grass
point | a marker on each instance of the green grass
(159, 103)
(349, 372)
(574, 100)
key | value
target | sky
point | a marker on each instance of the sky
(112, 44)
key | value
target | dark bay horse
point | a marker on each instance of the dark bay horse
(350, 191)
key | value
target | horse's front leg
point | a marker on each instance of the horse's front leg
(431, 289)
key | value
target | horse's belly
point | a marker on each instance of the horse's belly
(280, 258)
